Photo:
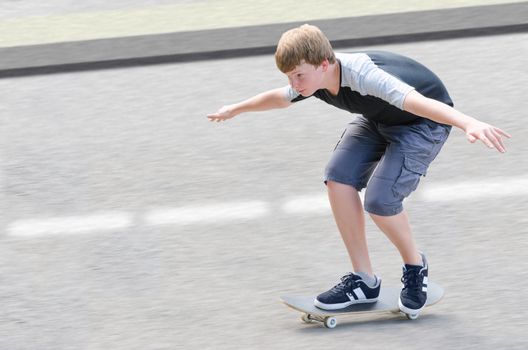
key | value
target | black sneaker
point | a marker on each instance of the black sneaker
(351, 290)
(414, 293)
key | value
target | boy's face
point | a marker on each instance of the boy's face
(306, 78)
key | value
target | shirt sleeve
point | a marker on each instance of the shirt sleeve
(365, 77)
(291, 94)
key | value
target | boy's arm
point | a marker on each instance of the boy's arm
(418, 104)
(271, 99)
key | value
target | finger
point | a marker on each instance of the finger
(482, 137)
(495, 140)
(500, 142)
(502, 132)
(500, 146)
(471, 138)
(487, 142)
(215, 118)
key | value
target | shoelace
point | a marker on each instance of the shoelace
(411, 279)
(347, 282)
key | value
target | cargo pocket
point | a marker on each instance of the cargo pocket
(409, 177)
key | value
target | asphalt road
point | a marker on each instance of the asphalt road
(128, 221)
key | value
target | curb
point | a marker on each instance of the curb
(257, 40)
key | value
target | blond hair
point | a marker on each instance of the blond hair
(305, 43)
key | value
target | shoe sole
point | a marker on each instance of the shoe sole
(333, 307)
(407, 310)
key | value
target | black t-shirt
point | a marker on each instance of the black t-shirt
(375, 84)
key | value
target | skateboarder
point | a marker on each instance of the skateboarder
(406, 115)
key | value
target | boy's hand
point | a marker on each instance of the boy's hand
(223, 114)
(488, 134)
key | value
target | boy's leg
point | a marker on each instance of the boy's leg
(354, 159)
(352, 163)
(362, 286)
(398, 230)
(412, 148)
(350, 219)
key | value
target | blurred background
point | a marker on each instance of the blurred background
(129, 221)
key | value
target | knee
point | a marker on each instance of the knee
(337, 187)
(332, 186)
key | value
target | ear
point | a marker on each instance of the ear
(325, 64)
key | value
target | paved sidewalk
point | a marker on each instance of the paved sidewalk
(38, 38)
(30, 22)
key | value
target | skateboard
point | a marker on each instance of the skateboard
(387, 302)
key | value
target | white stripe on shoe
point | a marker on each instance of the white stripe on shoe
(356, 295)
(360, 294)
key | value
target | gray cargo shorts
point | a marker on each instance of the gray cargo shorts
(386, 159)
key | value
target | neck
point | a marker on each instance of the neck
(333, 80)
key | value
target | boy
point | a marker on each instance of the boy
(406, 116)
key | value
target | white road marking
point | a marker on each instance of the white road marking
(215, 213)
(316, 204)
(471, 190)
(70, 225)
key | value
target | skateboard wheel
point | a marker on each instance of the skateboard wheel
(330, 322)
(412, 316)
(307, 318)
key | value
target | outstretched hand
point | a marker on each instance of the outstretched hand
(491, 136)
(223, 114)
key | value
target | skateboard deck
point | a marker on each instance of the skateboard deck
(387, 302)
